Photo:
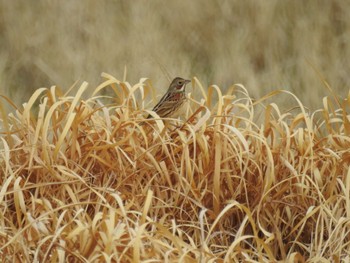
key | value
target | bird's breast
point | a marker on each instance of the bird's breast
(178, 96)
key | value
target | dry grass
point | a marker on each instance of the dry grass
(237, 181)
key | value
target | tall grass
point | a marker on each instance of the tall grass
(87, 180)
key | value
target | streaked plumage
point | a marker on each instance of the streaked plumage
(173, 99)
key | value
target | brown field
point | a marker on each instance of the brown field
(252, 172)
(235, 180)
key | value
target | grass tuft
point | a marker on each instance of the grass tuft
(235, 180)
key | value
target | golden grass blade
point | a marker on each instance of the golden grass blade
(63, 135)
(42, 108)
(231, 249)
(146, 206)
(77, 98)
(220, 100)
(28, 106)
(125, 73)
(5, 186)
(202, 119)
(45, 131)
(204, 245)
(217, 174)
(5, 124)
(347, 193)
(240, 137)
(104, 85)
(6, 158)
(19, 201)
(108, 76)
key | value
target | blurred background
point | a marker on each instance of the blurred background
(264, 45)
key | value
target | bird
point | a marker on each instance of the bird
(173, 99)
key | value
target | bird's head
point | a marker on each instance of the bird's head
(178, 85)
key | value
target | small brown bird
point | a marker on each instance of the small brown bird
(172, 100)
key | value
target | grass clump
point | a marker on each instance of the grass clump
(87, 180)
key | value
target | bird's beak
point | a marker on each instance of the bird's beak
(187, 81)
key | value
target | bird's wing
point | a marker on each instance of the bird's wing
(167, 96)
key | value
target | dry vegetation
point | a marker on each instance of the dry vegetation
(84, 178)
(236, 180)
